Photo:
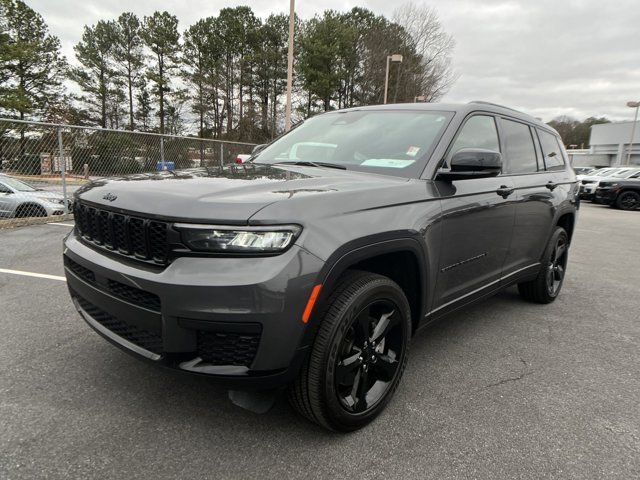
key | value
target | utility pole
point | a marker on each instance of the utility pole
(396, 58)
(287, 112)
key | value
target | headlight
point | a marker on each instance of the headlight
(227, 239)
(52, 200)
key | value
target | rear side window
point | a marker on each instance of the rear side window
(519, 149)
(551, 151)
(478, 132)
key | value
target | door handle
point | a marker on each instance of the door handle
(551, 185)
(504, 191)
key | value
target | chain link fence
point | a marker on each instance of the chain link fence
(42, 164)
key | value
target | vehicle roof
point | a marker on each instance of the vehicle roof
(462, 108)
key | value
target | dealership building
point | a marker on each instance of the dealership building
(608, 146)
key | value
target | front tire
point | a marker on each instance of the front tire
(628, 200)
(358, 355)
(546, 286)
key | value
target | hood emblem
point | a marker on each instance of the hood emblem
(110, 196)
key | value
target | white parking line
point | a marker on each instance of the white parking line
(61, 224)
(32, 274)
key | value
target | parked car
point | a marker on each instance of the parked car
(622, 194)
(583, 170)
(19, 199)
(315, 274)
(624, 173)
(588, 183)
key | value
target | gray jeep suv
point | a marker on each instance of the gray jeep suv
(312, 265)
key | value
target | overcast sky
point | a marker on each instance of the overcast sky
(546, 57)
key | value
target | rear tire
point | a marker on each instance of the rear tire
(358, 355)
(628, 200)
(547, 284)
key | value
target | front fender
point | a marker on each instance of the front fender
(362, 249)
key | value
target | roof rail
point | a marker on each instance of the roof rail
(481, 102)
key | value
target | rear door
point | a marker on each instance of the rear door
(477, 221)
(536, 162)
(523, 162)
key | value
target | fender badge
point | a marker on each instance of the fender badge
(110, 196)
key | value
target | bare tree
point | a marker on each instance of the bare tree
(433, 45)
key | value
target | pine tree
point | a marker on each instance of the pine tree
(129, 57)
(31, 65)
(160, 34)
(96, 75)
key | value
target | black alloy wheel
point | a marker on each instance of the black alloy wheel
(545, 287)
(358, 355)
(557, 266)
(628, 200)
(369, 356)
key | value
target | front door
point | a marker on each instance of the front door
(477, 221)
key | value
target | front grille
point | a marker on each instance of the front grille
(143, 338)
(134, 295)
(80, 271)
(135, 237)
(227, 348)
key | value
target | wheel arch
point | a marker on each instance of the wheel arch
(567, 220)
(403, 259)
(29, 204)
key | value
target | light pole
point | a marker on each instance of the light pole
(287, 110)
(635, 105)
(395, 58)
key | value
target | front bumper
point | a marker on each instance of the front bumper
(587, 192)
(605, 195)
(235, 319)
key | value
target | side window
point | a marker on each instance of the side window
(519, 149)
(478, 132)
(4, 189)
(551, 151)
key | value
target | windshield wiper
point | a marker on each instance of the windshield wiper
(308, 163)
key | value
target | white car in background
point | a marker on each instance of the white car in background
(19, 199)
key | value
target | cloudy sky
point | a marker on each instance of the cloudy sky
(546, 57)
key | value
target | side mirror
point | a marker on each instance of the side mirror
(258, 148)
(472, 163)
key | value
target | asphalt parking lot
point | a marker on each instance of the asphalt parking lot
(504, 389)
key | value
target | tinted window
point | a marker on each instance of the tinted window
(519, 150)
(551, 151)
(478, 132)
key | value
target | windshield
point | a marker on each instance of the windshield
(17, 185)
(393, 142)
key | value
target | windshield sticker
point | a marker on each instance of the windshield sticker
(413, 151)
(387, 162)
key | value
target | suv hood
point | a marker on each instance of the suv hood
(230, 195)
